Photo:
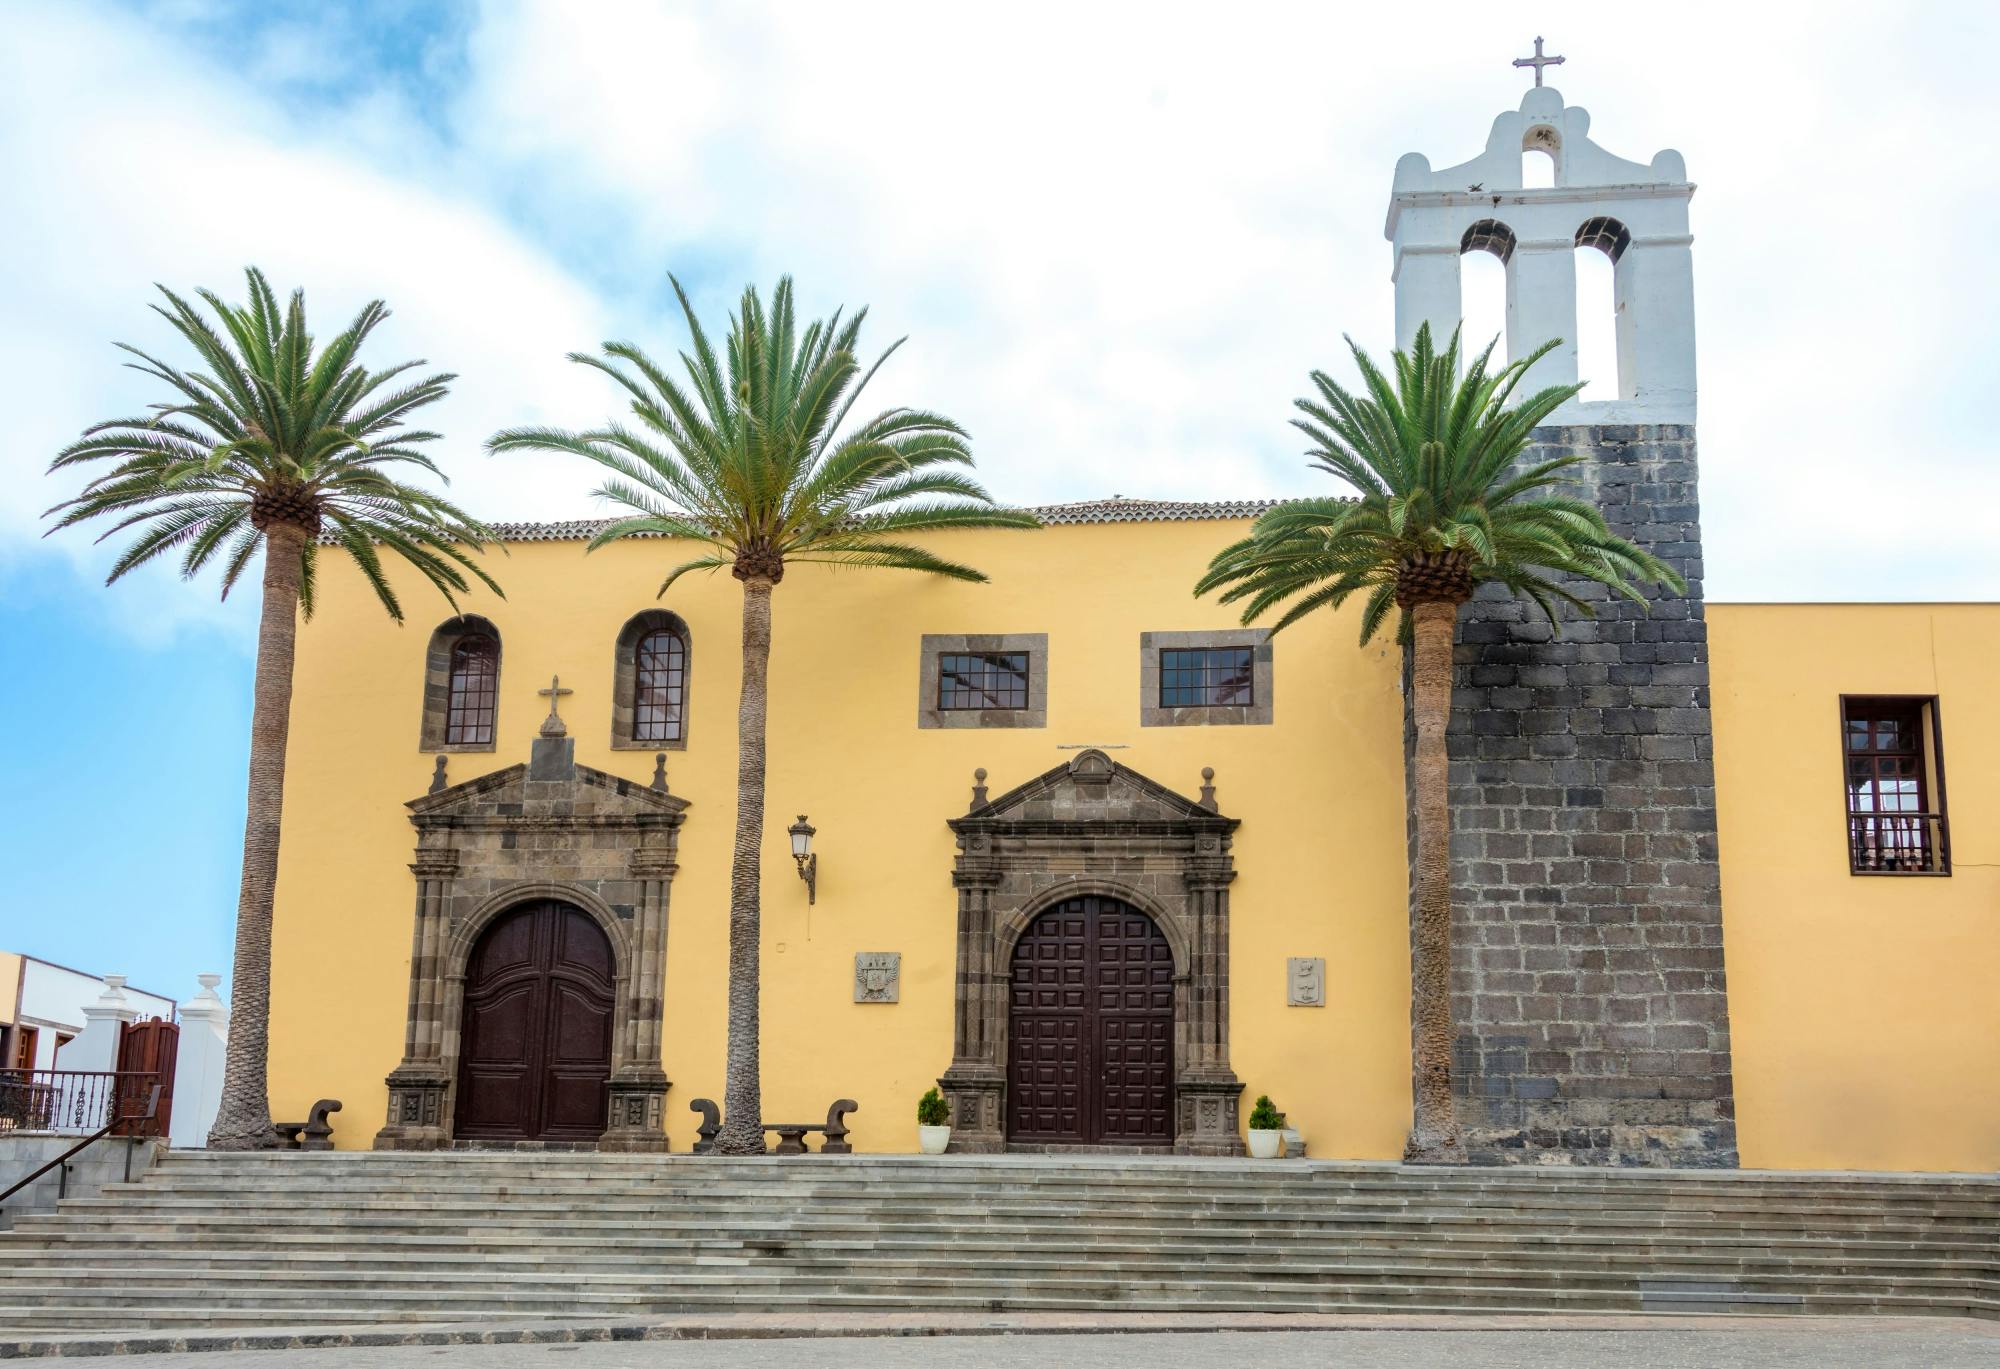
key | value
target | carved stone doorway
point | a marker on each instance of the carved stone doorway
(1091, 1029)
(1095, 835)
(534, 1058)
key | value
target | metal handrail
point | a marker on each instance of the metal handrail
(152, 1107)
(66, 1100)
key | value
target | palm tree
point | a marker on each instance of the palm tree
(749, 460)
(1439, 509)
(287, 446)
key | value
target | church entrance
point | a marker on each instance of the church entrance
(535, 1047)
(1091, 1028)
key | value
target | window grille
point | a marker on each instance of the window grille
(475, 681)
(660, 687)
(985, 679)
(1206, 677)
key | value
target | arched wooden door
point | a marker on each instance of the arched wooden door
(534, 1058)
(1090, 1028)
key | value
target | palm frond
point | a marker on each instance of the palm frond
(272, 426)
(754, 453)
(1433, 458)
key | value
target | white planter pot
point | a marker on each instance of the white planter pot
(933, 1140)
(1265, 1145)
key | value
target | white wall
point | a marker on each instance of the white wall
(53, 998)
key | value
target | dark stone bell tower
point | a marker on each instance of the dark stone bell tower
(1588, 982)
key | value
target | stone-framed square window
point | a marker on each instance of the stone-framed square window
(984, 680)
(1205, 679)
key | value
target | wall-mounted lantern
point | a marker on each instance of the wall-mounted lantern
(802, 852)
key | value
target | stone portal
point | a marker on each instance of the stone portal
(550, 830)
(1095, 834)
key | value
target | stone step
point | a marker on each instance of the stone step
(453, 1302)
(257, 1244)
(215, 1240)
(98, 1213)
(249, 1230)
(174, 1174)
(184, 1315)
(294, 1194)
(367, 1270)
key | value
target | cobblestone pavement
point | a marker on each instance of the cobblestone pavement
(1808, 1345)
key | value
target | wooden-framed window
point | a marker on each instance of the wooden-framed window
(659, 687)
(982, 679)
(1207, 677)
(475, 692)
(1892, 755)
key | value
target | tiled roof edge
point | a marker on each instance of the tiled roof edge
(1055, 515)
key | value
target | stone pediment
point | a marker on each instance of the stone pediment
(576, 796)
(1093, 788)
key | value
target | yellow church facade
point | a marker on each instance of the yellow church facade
(1860, 1013)
(1105, 866)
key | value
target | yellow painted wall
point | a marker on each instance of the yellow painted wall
(1320, 855)
(10, 989)
(1865, 1009)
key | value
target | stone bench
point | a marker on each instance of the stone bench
(315, 1133)
(791, 1135)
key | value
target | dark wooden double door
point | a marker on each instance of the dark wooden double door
(1090, 1028)
(535, 1045)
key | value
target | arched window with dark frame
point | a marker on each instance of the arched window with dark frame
(649, 701)
(462, 686)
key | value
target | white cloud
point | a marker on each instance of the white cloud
(1118, 235)
(140, 164)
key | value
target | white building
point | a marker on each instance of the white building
(42, 1009)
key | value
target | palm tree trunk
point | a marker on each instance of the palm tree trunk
(742, 1103)
(243, 1118)
(1434, 1137)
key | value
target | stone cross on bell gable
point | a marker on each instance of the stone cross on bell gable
(552, 726)
(1538, 61)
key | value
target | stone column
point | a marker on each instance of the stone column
(417, 1086)
(1206, 1089)
(1654, 286)
(1541, 304)
(639, 1084)
(96, 1046)
(1427, 291)
(198, 1061)
(976, 1083)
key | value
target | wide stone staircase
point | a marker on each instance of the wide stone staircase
(210, 1240)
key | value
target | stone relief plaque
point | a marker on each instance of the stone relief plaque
(1305, 981)
(878, 976)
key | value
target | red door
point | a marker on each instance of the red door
(151, 1047)
(535, 1045)
(1091, 1028)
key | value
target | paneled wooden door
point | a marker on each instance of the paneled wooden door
(1090, 1028)
(535, 1047)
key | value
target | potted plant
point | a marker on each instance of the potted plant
(933, 1123)
(1266, 1134)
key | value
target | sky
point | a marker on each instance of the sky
(1116, 236)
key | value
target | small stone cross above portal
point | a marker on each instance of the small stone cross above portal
(552, 726)
(1538, 61)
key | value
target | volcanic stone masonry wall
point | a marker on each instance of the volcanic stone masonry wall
(1587, 976)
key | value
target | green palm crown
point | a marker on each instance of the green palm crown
(273, 433)
(749, 456)
(1439, 505)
